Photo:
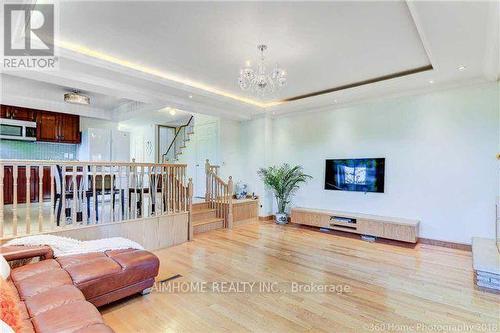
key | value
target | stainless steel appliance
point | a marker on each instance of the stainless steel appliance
(11, 129)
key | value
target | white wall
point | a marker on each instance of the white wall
(440, 158)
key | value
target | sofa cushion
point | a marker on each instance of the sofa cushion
(117, 269)
(49, 301)
(89, 266)
(53, 298)
(68, 317)
(43, 266)
(35, 284)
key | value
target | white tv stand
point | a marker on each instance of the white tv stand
(400, 229)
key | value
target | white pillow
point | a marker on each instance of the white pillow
(4, 268)
(4, 328)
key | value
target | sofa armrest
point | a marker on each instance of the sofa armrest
(17, 252)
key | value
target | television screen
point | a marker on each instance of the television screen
(361, 175)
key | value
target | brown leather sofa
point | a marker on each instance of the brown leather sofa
(60, 295)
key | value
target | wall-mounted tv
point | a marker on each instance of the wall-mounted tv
(360, 174)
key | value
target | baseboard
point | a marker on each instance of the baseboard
(450, 245)
(266, 218)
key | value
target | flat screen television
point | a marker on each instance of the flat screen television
(360, 174)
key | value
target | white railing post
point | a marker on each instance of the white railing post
(230, 203)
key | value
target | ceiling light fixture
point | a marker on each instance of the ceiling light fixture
(431, 81)
(172, 111)
(258, 80)
(190, 96)
(334, 101)
(76, 98)
(462, 68)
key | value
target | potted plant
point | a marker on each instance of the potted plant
(284, 181)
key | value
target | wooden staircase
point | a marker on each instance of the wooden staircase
(205, 218)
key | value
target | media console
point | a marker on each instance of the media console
(400, 229)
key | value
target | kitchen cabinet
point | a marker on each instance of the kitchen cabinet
(51, 126)
(58, 127)
(8, 190)
(17, 113)
(47, 127)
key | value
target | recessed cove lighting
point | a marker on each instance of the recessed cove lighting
(462, 68)
(431, 81)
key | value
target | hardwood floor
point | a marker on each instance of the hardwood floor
(393, 288)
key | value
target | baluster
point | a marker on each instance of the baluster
(84, 194)
(94, 194)
(2, 170)
(40, 198)
(63, 196)
(162, 203)
(126, 203)
(75, 196)
(216, 199)
(185, 191)
(230, 202)
(28, 199)
(158, 205)
(135, 180)
(14, 202)
(143, 183)
(174, 184)
(121, 198)
(179, 188)
(168, 188)
(225, 206)
(112, 185)
(52, 196)
(190, 216)
(103, 196)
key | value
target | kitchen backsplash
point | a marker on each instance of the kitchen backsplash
(22, 150)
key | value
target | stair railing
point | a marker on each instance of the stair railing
(219, 194)
(181, 134)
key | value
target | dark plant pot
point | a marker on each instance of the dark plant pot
(281, 218)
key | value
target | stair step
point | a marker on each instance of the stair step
(207, 225)
(200, 205)
(207, 221)
(203, 214)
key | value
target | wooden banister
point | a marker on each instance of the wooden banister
(219, 194)
(76, 194)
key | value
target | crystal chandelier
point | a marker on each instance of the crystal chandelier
(258, 80)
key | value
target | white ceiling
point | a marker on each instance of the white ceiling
(17, 90)
(188, 54)
(320, 44)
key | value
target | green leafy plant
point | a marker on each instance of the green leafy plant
(284, 181)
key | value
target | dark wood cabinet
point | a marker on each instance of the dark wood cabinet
(17, 113)
(69, 126)
(47, 128)
(51, 126)
(21, 184)
(58, 127)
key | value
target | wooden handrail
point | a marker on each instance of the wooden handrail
(219, 194)
(79, 163)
